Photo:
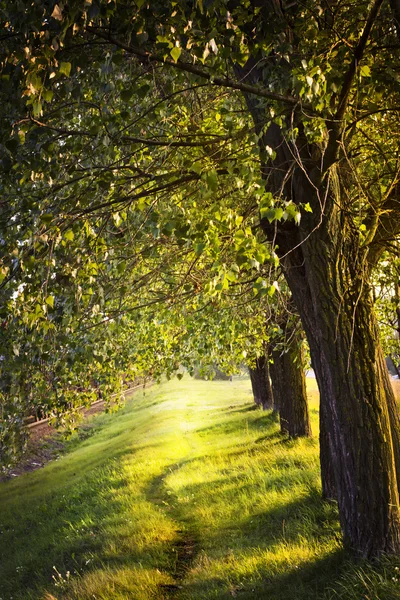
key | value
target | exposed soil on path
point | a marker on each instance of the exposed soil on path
(46, 443)
(185, 547)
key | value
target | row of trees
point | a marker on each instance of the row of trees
(162, 160)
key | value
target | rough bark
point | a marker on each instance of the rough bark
(327, 470)
(289, 388)
(278, 378)
(361, 422)
(260, 383)
(327, 273)
(327, 269)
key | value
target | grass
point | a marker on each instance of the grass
(187, 493)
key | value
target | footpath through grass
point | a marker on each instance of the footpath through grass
(187, 493)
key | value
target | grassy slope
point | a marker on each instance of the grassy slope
(187, 493)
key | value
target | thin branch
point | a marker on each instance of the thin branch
(358, 54)
(190, 68)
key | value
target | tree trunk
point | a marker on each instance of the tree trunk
(260, 383)
(327, 271)
(289, 388)
(360, 421)
(396, 364)
(327, 470)
(278, 379)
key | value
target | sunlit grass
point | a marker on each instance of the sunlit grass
(190, 493)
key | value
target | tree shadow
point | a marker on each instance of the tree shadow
(305, 518)
(308, 582)
(266, 420)
(67, 528)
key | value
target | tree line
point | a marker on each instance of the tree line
(185, 180)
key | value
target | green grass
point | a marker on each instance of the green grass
(186, 493)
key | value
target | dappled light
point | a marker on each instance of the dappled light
(184, 493)
(199, 300)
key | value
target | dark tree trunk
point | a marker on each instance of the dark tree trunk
(327, 270)
(278, 379)
(397, 300)
(260, 383)
(360, 422)
(395, 4)
(327, 470)
(289, 388)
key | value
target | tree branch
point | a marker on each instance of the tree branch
(190, 68)
(358, 54)
(387, 226)
(336, 124)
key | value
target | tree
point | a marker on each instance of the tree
(288, 381)
(332, 294)
(329, 184)
(260, 383)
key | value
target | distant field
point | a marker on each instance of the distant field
(189, 493)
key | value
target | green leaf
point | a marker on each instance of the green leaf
(65, 68)
(365, 71)
(161, 39)
(212, 180)
(126, 95)
(117, 219)
(50, 301)
(168, 228)
(143, 90)
(268, 213)
(37, 108)
(238, 220)
(291, 210)
(117, 59)
(175, 53)
(46, 218)
(47, 95)
(198, 248)
(196, 167)
(271, 153)
(142, 204)
(12, 145)
(69, 235)
(231, 276)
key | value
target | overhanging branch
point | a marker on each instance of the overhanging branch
(194, 70)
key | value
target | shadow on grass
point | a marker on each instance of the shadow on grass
(307, 582)
(265, 421)
(251, 554)
(65, 526)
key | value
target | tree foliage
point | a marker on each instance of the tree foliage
(161, 160)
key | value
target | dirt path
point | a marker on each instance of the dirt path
(186, 545)
(46, 443)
